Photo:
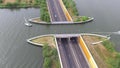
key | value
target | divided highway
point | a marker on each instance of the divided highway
(56, 11)
(71, 53)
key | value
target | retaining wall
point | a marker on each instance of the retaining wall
(69, 18)
(88, 55)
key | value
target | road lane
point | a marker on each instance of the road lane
(71, 53)
(56, 11)
(79, 53)
(63, 54)
(60, 10)
(52, 10)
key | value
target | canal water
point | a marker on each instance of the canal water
(15, 52)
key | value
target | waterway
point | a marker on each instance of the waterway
(15, 52)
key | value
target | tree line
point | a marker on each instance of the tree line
(50, 56)
(44, 11)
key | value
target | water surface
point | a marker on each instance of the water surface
(15, 52)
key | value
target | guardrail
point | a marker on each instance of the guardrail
(88, 55)
(69, 18)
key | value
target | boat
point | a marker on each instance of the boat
(27, 23)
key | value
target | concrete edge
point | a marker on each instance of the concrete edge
(65, 10)
(89, 20)
(83, 53)
(45, 23)
(49, 11)
(58, 52)
(101, 41)
(107, 38)
(54, 35)
(94, 35)
(91, 57)
(28, 40)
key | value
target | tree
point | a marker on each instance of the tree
(47, 63)
(1, 1)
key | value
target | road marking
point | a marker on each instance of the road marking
(48, 1)
(78, 66)
(57, 10)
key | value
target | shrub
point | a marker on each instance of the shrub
(108, 45)
(47, 63)
(84, 18)
(70, 4)
(1, 1)
(12, 5)
(50, 56)
(44, 11)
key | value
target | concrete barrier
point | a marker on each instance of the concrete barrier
(69, 18)
(37, 44)
(87, 54)
(58, 52)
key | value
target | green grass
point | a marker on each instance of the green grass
(20, 4)
(108, 45)
(80, 18)
(44, 11)
(71, 7)
(114, 60)
(50, 56)
(70, 4)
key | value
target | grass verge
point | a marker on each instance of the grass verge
(113, 60)
(45, 40)
(71, 7)
(19, 3)
(44, 11)
(50, 55)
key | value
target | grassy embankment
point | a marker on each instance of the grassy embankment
(19, 3)
(50, 55)
(49, 51)
(44, 11)
(113, 58)
(50, 40)
(71, 7)
(44, 14)
(103, 53)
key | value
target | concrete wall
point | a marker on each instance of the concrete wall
(69, 18)
(87, 54)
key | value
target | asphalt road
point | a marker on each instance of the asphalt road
(71, 53)
(56, 11)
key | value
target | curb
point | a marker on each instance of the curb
(28, 40)
(45, 23)
(58, 52)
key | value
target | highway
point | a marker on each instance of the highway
(71, 53)
(56, 11)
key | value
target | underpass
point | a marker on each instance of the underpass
(71, 54)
